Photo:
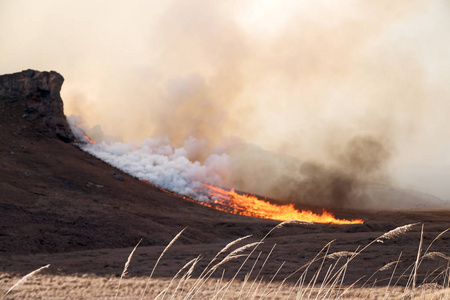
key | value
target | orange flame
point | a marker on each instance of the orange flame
(91, 141)
(248, 205)
(232, 202)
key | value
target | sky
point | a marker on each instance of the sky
(300, 78)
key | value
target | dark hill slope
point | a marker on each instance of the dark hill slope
(56, 198)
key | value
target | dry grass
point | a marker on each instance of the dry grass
(323, 277)
(93, 287)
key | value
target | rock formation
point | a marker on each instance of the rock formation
(37, 93)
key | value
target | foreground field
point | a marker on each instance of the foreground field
(244, 269)
(95, 287)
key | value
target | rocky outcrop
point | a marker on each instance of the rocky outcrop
(39, 95)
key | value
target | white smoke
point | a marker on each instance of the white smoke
(157, 161)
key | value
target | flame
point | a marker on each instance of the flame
(248, 205)
(91, 141)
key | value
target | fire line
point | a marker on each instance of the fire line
(248, 205)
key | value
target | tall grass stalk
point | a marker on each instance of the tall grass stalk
(260, 269)
(257, 288)
(125, 268)
(192, 261)
(206, 271)
(247, 276)
(159, 258)
(316, 275)
(25, 278)
(256, 246)
(271, 280)
(416, 266)
(342, 281)
(386, 294)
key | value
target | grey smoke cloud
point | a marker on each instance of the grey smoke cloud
(155, 160)
(299, 78)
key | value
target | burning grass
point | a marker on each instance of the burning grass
(248, 205)
(322, 277)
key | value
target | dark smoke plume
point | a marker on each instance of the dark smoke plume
(342, 184)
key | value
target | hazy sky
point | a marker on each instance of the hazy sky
(296, 77)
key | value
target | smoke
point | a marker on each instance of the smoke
(157, 161)
(342, 183)
(339, 94)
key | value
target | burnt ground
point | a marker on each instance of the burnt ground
(62, 206)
